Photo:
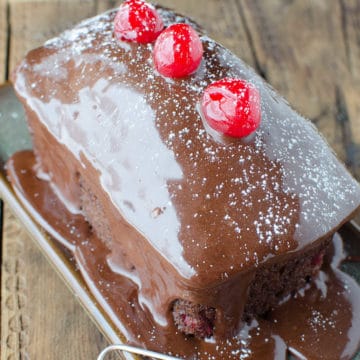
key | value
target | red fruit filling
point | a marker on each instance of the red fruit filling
(317, 261)
(232, 107)
(194, 319)
(178, 51)
(137, 21)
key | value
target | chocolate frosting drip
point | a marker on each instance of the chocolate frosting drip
(320, 323)
(211, 206)
(203, 210)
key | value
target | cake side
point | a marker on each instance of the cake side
(206, 208)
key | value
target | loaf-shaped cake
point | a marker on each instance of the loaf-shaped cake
(213, 227)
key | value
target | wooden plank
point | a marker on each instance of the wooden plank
(307, 63)
(104, 5)
(12, 290)
(350, 88)
(350, 26)
(3, 39)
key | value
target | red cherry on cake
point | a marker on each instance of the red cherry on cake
(137, 21)
(178, 51)
(232, 107)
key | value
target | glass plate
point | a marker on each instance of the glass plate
(14, 136)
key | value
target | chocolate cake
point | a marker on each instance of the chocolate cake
(213, 229)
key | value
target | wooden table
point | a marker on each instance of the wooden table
(308, 50)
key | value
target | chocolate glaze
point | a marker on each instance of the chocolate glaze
(197, 211)
(322, 322)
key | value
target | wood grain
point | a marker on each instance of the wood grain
(350, 89)
(3, 40)
(308, 50)
(14, 322)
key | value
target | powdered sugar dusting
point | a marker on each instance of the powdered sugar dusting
(251, 199)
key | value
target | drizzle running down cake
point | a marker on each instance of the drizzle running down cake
(215, 218)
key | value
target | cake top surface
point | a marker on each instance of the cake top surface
(212, 206)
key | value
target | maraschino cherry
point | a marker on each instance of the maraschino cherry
(232, 107)
(178, 51)
(137, 21)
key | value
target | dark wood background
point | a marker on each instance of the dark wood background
(308, 50)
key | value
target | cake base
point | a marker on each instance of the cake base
(322, 321)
